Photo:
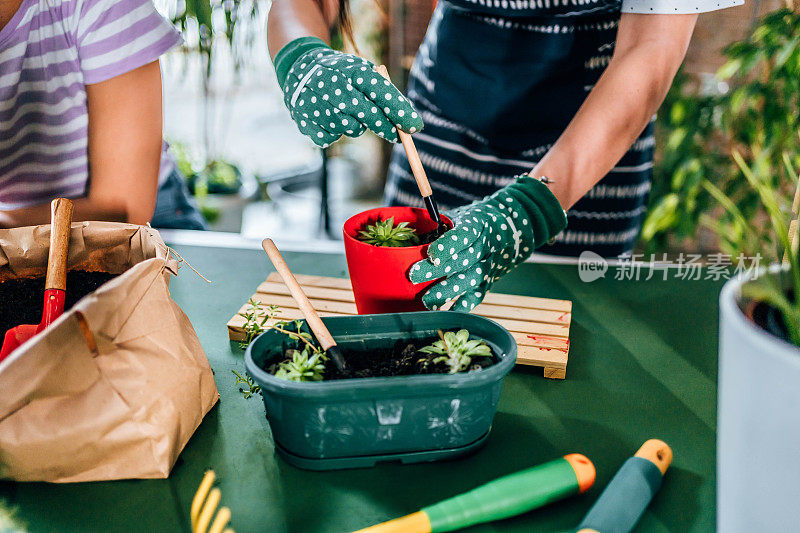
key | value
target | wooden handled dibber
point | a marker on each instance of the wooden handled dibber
(322, 334)
(61, 221)
(417, 170)
(626, 497)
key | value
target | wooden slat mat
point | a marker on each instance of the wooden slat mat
(539, 325)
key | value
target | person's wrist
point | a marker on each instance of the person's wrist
(291, 52)
(542, 207)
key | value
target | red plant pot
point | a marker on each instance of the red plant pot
(379, 274)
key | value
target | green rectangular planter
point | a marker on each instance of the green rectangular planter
(354, 423)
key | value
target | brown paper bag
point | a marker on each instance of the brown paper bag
(115, 387)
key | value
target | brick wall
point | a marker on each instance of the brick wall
(717, 29)
(714, 31)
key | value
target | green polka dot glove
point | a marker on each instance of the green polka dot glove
(488, 239)
(330, 94)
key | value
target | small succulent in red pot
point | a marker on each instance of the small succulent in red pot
(387, 233)
(381, 245)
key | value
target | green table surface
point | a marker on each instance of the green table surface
(642, 364)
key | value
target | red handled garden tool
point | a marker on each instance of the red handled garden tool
(416, 169)
(314, 321)
(56, 281)
(502, 498)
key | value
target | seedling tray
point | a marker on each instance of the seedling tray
(350, 423)
(540, 326)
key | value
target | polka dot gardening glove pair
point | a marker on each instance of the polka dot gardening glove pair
(330, 94)
(488, 239)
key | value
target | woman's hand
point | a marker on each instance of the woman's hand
(488, 239)
(330, 94)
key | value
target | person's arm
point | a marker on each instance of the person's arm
(291, 19)
(346, 87)
(649, 50)
(125, 139)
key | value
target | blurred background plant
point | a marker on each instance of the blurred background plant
(751, 106)
(210, 28)
(204, 178)
(207, 26)
(8, 519)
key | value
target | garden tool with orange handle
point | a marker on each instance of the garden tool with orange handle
(502, 498)
(630, 491)
(417, 170)
(321, 332)
(56, 281)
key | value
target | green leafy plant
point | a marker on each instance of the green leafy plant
(256, 316)
(248, 386)
(297, 334)
(305, 365)
(218, 177)
(753, 107)
(208, 28)
(386, 233)
(203, 21)
(771, 288)
(214, 177)
(457, 350)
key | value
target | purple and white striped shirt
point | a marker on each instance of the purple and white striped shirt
(49, 51)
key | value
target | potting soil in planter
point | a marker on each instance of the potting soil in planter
(427, 238)
(402, 359)
(21, 300)
(769, 319)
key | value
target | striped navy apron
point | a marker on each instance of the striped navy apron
(497, 82)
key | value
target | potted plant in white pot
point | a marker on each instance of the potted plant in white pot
(758, 417)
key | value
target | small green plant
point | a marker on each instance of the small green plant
(305, 365)
(256, 317)
(248, 386)
(386, 233)
(457, 350)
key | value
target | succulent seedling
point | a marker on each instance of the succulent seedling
(305, 365)
(386, 233)
(457, 350)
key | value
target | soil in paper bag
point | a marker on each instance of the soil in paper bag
(22, 300)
